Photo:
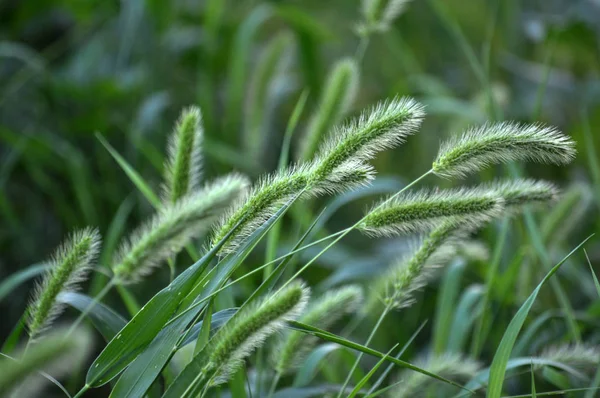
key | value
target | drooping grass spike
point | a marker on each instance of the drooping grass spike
(248, 329)
(423, 210)
(340, 165)
(183, 167)
(384, 126)
(337, 97)
(174, 226)
(503, 142)
(69, 266)
(379, 15)
(324, 312)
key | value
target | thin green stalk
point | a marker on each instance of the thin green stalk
(346, 231)
(355, 365)
(82, 391)
(274, 385)
(362, 48)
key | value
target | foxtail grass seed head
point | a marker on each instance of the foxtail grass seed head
(383, 127)
(579, 356)
(348, 176)
(183, 167)
(518, 193)
(52, 354)
(396, 287)
(449, 366)
(336, 99)
(259, 204)
(293, 347)
(423, 210)
(379, 15)
(69, 266)
(248, 330)
(174, 226)
(504, 142)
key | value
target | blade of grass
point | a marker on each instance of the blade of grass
(498, 368)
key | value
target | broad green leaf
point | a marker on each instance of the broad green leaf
(104, 319)
(498, 368)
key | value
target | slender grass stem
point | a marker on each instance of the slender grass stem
(82, 391)
(346, 231)
(274, 385)
(362, 48)
(369, 339)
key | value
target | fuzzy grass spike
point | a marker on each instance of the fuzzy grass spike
(247, 330)
(425, 209)
(501, 143)
(69, 266)
(169, 230)
(294, 346)
(183, 167)
(384, 126)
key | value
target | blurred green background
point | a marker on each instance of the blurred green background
(124, 69)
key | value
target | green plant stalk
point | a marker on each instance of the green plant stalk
(386, 310)
(343, 233)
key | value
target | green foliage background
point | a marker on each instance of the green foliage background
(124, 69)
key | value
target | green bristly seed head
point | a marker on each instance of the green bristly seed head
(519, 193)
(420, 211)
(337, 97)
(396, 287)
(184, 158)
(169, 230)
(294, 346)
(69, 266)
(259, 204)
(500, 143)
(248, 329)
(379, 15)
(383, 127)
